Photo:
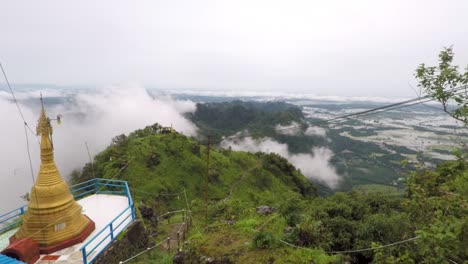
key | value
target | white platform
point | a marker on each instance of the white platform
(102, 209)
(5, 238)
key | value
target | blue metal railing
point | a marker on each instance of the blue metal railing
(102, 239)
(11, 219)
(98, 243)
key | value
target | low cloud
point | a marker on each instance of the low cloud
(286, 96)
(315, 165)
(92, 116)
(293, 129)
(315, 131)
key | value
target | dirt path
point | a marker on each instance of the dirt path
(173, 235)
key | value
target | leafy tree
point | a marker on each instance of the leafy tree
(439, 82)
(120, 140)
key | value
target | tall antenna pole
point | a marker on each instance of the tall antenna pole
(90, 160)
(207, 174)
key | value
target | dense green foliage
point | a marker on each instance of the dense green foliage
(219, 119)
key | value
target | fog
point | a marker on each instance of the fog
(335, 47)
(94, 117)
(315, 131)
(314, 165)
(292, 129)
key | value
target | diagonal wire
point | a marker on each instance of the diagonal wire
(356, 250)
(16, 101)
(29, 154)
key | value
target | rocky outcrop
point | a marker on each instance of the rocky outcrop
(148, 214)
(265, 210)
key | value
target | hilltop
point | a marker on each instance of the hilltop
(159, 162)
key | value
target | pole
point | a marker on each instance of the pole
(90, 159)
(207, 174)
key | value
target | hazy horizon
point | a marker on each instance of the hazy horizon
(342, 48)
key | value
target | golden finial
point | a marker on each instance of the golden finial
(44, 130)
(43, 127)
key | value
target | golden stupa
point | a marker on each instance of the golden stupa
(54, 220)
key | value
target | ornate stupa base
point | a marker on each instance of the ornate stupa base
(71, 241)
(64, 244)
(24, 249)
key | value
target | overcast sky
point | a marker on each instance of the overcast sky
(352, 48)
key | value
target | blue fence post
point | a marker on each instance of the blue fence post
(96, 186)
(22, 210)
(85, 258)
(111, 231)
(130, 201)
(127, 192)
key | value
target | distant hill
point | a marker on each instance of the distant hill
(352, 158)
(218, 119)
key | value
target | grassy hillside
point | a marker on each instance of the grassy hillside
(170, 163)
(166, 172)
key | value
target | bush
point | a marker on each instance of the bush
(264, 240)
(153, 160)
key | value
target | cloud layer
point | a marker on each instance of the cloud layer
(292, 129)
(316, 131)
(315, 165)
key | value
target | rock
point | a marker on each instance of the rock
(265, 210)
(179, 258)
(146, 212)
(137, 234)
(206, 259)
(288, 230)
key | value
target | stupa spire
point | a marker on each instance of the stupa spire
(44, 128)
(48, 172)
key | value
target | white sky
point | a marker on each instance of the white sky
(351, 48)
